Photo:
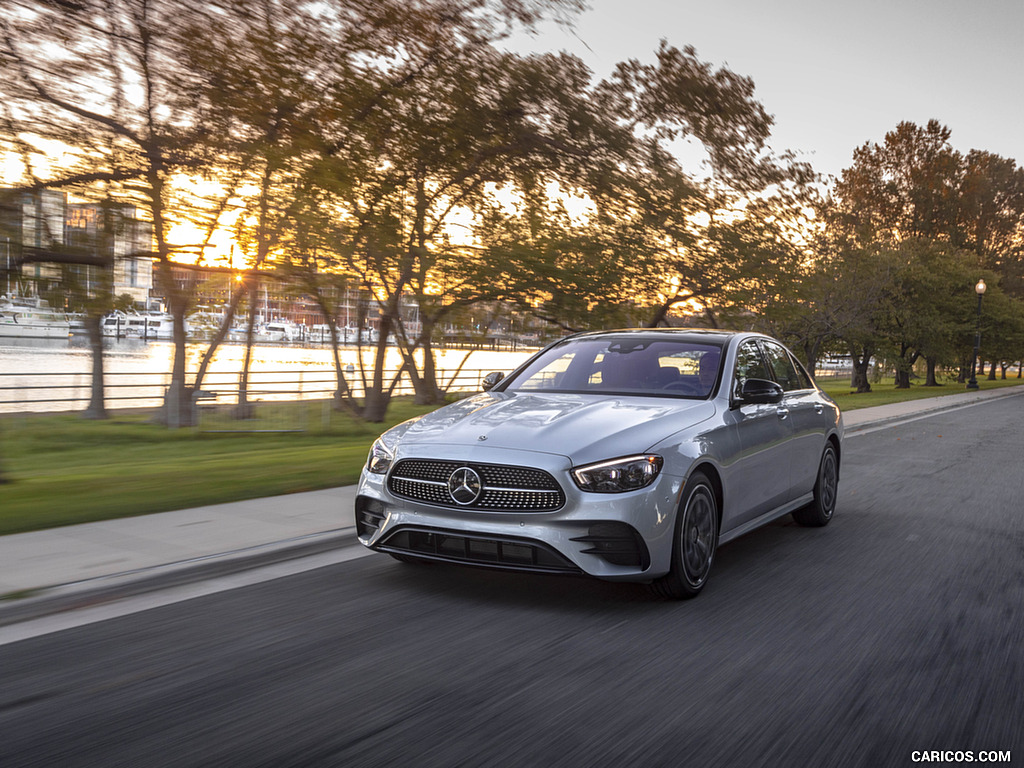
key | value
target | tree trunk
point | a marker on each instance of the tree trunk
(97, 405)
(244, 410)
(860, 380)
(222, 333)
(177, 410)
(431, 393)
(659, 316)
(904, 368)
(961, 376)
(861, 362)
(377, 398)
(992, 370)
(342, 399)
(812, 350)
(929, 378)
(424, 382)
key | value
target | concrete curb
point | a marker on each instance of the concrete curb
(106, 589)
(920, 408)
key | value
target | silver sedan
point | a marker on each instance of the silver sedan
(625, 455)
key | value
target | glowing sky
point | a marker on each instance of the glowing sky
(836, 75)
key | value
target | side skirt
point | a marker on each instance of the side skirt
(767, 517)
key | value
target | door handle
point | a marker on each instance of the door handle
(818, 408)
(782, 412)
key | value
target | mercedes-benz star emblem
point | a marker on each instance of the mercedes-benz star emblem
(464, 485)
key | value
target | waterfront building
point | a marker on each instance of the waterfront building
(43, 220)
(130, 239)
(30, 220)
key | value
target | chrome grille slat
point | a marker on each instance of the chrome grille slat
(505, 488)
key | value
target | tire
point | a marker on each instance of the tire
(826, 491)
(696, 540)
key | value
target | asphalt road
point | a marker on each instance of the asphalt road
(897, 628)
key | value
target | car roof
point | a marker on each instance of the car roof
(706, 335)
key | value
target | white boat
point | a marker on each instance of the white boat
(149, 326)
(280, 330)
(113, 323)
(77, 322)
(160, 325)
(31, 317)
(321, 333)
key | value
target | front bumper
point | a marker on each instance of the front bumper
(618, 537)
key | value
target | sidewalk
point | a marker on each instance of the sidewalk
(46, 571)
(62, 568)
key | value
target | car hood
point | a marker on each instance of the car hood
(581, 427)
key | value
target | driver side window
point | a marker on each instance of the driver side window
(749, 364)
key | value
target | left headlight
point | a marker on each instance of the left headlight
(618, 475)
(380, 458)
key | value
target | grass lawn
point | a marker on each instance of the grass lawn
(885, 392)
(62, 469)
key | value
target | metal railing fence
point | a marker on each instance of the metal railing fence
(41, 392)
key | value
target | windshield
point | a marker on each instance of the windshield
(624, 365)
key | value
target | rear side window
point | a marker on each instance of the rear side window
(783, 368)
(801, 373)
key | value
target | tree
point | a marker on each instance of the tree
(944, 220)
(991, 216)
(253, 58)
(928, 306)
(477, 120)
(906, 187)
(104, 79)
(715, 236)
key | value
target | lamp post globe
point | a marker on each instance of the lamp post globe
(980, 290)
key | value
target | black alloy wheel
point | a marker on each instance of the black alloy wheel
(826, 492)
(695, 542)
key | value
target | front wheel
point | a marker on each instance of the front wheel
(696, 540)
(826, 492)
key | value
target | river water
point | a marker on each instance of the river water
(54, 374)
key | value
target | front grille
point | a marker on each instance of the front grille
(477, 549)
(504, 488)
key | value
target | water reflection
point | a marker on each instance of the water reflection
(137, 368)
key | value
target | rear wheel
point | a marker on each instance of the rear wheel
(826, 492)
(696, 540)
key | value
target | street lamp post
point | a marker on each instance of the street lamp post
(980, 290)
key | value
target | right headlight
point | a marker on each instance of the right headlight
(618, 475)
(380, 458)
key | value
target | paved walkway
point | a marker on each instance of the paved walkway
(49, 570)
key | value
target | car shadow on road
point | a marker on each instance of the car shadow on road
(738, 565)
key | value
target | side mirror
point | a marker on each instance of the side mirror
(491, 379)
(760, 392)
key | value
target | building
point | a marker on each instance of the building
(45, 220)
(131, 242)
(30, 220)
(212, 287)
